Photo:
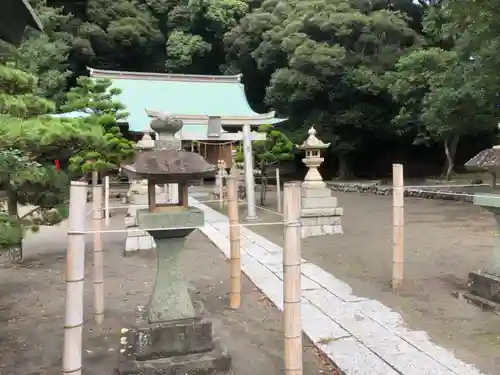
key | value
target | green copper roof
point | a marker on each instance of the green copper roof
(221, 96)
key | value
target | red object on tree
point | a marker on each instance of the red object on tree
(58, 166)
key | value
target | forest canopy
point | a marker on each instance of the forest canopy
(383, 81)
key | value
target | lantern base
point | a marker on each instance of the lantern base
(485, 286)
(171, 348)
(319, 214)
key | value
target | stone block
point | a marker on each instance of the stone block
(167, 339)
(135, 232)
(131, 244)
(320, 230)
(171, 348)
(214, 362)
(320, 220)
(317, 212)
(324, 202)
(316, 193)
(485, 285)
(137, 243)
(146, 243)
(191, 218)
(130, 221)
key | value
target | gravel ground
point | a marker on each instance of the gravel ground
(443, 242)
(32, 306)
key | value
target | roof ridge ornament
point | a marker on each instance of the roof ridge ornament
(166, 126)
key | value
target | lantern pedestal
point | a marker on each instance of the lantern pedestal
(171, 337)
(484, 285)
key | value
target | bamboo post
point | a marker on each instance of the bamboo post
(75, 271)
(291, 280)
(98, 253)
(234, 240)
(398, 226)
(278, 189)
(221, 186)
(106, 199)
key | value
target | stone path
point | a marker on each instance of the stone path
(361, 336)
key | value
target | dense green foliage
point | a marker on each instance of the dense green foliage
(95, 98)
(381, 80)
(33, 192)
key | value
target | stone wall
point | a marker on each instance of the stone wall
(445, 193)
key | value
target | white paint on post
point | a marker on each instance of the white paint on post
(249, 178)
(292, 291)
(234, 242)
(98, 254)
(75, 271)
(106, 199)
(398, 226)
(278, 189)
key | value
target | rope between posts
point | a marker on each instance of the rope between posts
(171, 228)
(270, 211)
(432, 192)
(146, 205)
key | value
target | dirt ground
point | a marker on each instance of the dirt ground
(443, 242)
(32, 306)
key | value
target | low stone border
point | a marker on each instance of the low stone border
(376, 189)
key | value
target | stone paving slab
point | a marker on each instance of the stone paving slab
(361, 336)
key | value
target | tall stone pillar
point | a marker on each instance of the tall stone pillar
(319, 212)
(137, 196)
(249, 178)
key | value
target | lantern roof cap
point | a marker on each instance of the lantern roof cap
(312, 142)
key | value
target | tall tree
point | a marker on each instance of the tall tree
(30, 141)
(46, 55)
(328, 58)
(96, 98)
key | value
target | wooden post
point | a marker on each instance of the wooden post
(98, 253)
(166, 192)
(221, 186)
(75, 272)
(234, 240)
(106, 199)
(292, 291)
(398, 226)
(278, 189)
(151, 196)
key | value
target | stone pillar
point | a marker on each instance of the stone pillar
(319, 211)
(137, 197)
(249, 178)
(484, 285)
(219, 179)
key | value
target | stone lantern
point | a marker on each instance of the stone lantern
(172, 336)
(484, 285)
(320, 213)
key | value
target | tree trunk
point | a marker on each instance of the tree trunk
(16, 252)
(450, 150)
(344, 172)
(263, 190)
